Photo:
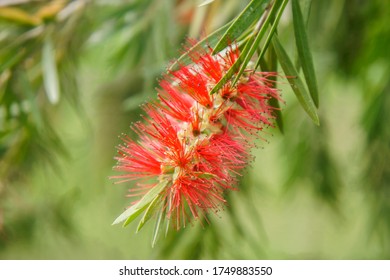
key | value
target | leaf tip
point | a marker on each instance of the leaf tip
(117, 221)
(316, 120)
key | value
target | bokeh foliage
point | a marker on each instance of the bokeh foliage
(72, 75)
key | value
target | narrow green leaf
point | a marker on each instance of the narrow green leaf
(10, 60)
(264, 65)
(50, 75)
(305, 56)
(28, 91)
(305, 8)
(277, 113)
(274, 24)
(234, 68)
(295, 81)
(273, 62)
(157, 227)
(210, 40)
(131, 216)
(250, 47)
(272, 66)
(134, 211)
(250, 15)
(260, 35)
(149, 212)
(168, 221)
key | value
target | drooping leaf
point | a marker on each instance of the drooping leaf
(134, 211)
(250, 15)
(295, 81)
(305, 56)
(50, 74)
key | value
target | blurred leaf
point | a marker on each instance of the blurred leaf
(305, 56)
(19, 16)
(36, 113)
(10, 60)
(250, 15)
(134, 211)
(295, 81)
(50, 75)
(51, 9)
(312, 160)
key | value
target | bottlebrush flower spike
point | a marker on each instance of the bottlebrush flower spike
(192, 145)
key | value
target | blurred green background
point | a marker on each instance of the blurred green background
(72, 77)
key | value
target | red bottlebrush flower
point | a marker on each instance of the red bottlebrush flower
(174, 103)
(193, 145)
(194, 84)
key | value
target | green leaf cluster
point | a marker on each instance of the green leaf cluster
(253, 30)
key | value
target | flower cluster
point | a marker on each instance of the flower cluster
(194, 142)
